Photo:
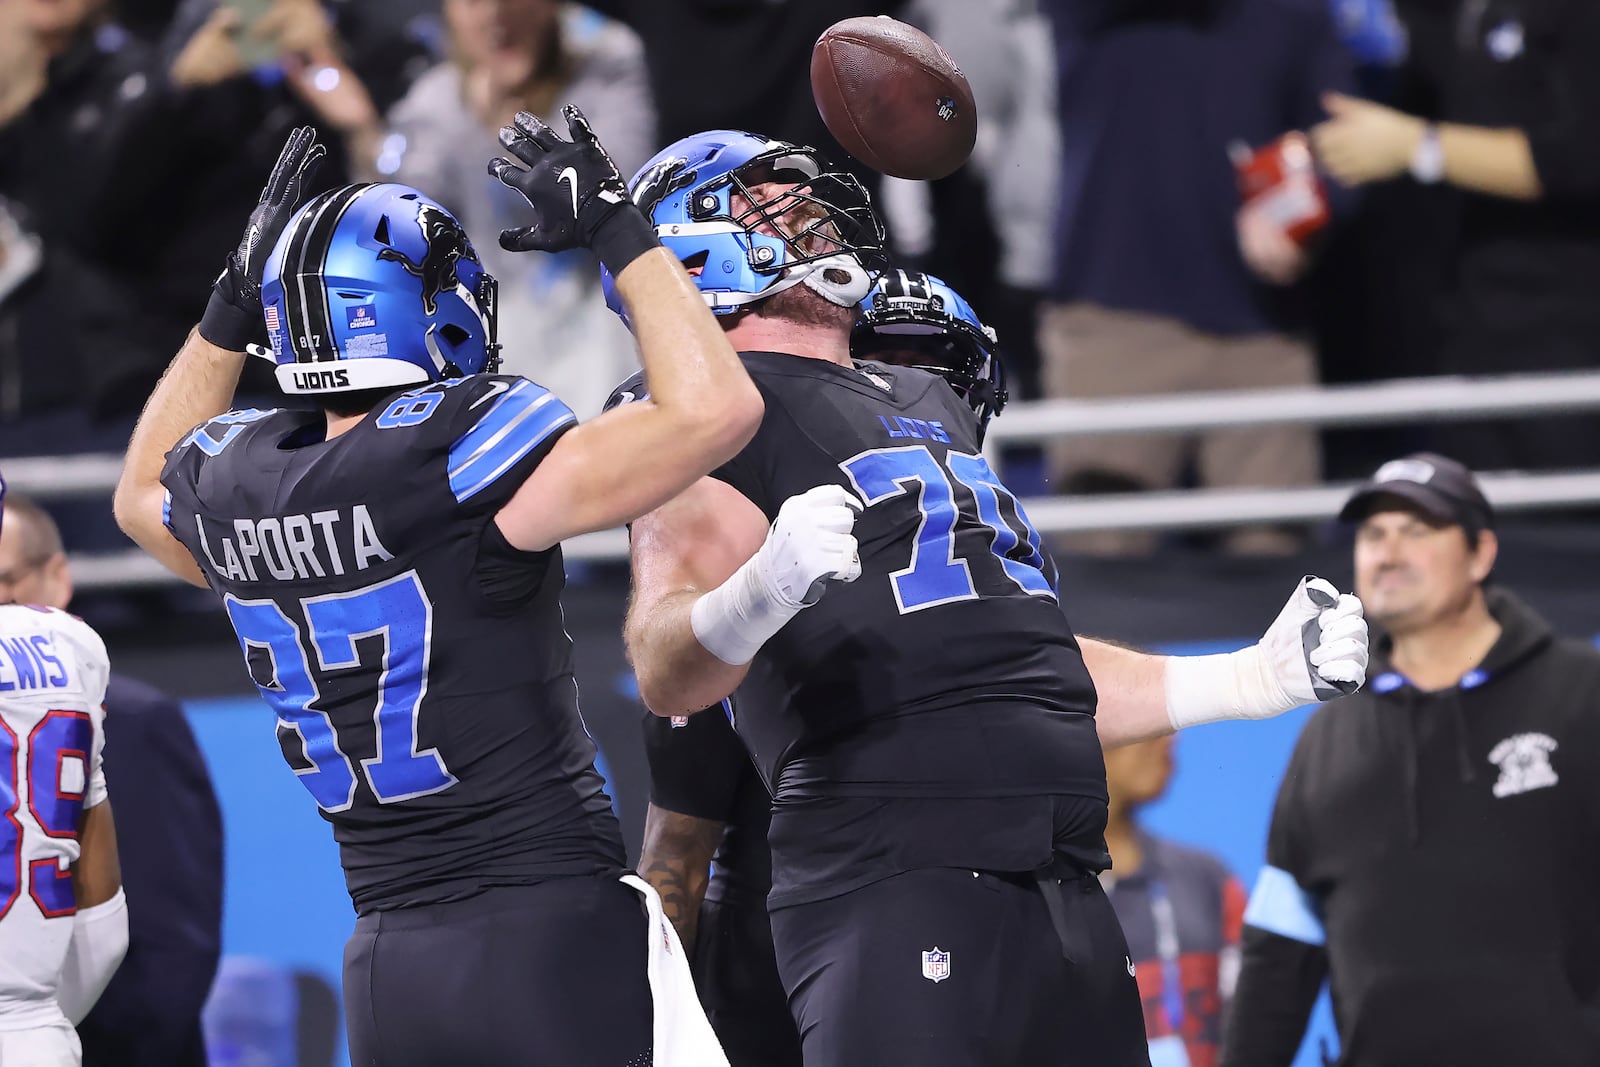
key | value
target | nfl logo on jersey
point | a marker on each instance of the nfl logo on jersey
(680, 721)
(935, 965)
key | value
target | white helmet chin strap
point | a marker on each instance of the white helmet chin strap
(847, 293)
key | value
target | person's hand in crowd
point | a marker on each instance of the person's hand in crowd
(212, 54)
(331, 89)
(1364, 142)
(1270, 253)
(308, 49)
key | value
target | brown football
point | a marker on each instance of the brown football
(893, 98)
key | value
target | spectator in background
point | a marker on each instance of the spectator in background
(508, 56)
(1001, 257)
(169, 835)
(1514, 124)
(73, 88)
(123, 163)
(1432, 849)
(1163, 282)
(1180, 909)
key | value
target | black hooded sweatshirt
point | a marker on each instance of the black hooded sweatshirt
(1438, 855)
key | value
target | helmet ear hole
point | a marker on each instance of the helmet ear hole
(454, 335)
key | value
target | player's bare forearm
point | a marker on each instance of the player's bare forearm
(1131, 690)
(1498, 162)
(198, 385)
(692, 369)
(701, 411)
(97, 875)
(676, 861)
(677, 676)
(681, 551)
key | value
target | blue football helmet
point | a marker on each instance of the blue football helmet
(373, 286)
(916, 320)
(688, 189)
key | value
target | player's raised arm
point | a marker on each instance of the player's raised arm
(703, 407)
(1315, 650)
(200, 382)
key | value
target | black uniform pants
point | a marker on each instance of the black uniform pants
(549, 975)
(956, 968)
(737, 977)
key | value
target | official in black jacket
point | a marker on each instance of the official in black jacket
(169, 837)
(1433, 849)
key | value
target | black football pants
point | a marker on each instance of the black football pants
(955, 968)
(551, 975)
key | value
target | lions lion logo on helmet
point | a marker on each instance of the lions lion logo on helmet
(447, 245)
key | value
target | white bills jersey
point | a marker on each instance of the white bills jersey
(53, 673)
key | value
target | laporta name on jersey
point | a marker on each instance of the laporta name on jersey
(289, 547)
(30, 662)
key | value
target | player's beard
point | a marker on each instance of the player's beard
(802, 306)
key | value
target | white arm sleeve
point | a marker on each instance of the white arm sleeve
(99, 941)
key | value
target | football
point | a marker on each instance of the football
(893, 98)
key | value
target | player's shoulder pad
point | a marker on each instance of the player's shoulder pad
(629, 391)
(216, 434)
(495, 421)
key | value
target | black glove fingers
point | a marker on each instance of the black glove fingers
(578, 127)
(510, 175)
(290, 160)
(305, 172)
(521, 145)
(534, 129)
(517, 239)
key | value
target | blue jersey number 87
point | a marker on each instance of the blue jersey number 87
(396, 610)
(935, 574)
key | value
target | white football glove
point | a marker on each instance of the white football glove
(1318, 643)
(1315, 650)
(810, 545)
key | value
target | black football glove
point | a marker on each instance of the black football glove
(578, 197)
(232, 318)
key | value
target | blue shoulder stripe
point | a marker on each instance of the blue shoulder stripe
(1279, 906)
(514, 425)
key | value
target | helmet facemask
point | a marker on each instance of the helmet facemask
(804, 223)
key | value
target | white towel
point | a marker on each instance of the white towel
(682, 1034)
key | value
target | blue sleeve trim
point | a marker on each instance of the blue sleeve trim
(1279, 906)
(166, 508)
(514, 425)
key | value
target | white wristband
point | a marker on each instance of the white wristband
(736, 618)
(1233, 685)
(1427, 162)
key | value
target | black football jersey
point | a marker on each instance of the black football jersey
(947, 669)
(417, 662)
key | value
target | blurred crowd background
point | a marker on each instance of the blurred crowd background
(1099, 225)
(1106, 226)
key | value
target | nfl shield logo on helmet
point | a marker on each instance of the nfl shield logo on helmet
(935, 964)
